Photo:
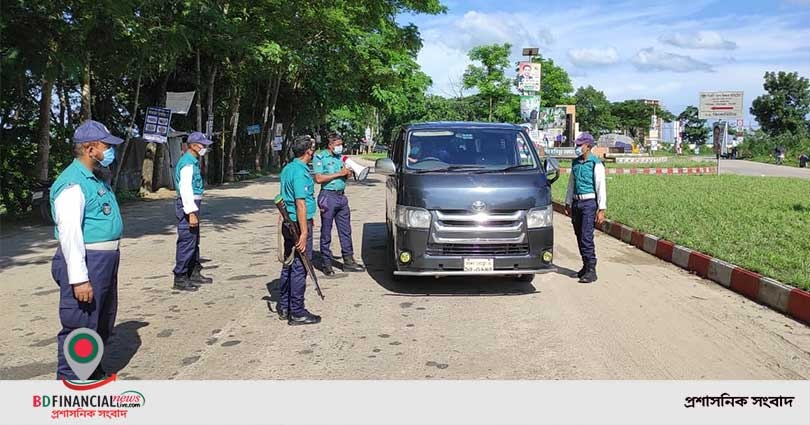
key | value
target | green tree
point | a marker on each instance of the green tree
(594, 111)
(694, 129)
(489, 77)
(556, 88)
(632, 116)
(785, 106)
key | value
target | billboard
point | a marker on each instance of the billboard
(156, 124)
(720, 104)
(530, 109)
(528, 77)
(551, 117)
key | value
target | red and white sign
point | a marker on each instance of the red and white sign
(720, 104)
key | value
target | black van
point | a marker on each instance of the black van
(468, 198)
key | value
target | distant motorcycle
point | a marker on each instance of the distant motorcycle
(41, 200)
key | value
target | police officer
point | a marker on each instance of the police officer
(331, 174)
(585, 202)
(190, 187)
(88, 227)
(298, 192)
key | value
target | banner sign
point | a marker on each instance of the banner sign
(720, 104)
(529, 109)
(179, 102)
(561, 152)
(156, 124)
(254, 129)
(551, 118)
(279, 130)
(528, 77)
(277, 143)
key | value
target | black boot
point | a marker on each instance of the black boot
(590, 275)
(582, 271)
(349, 265)
(282, 312)
(196, 277)
(327, 268)
(182, 283)
(305, 319)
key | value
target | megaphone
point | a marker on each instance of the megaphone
(360, 172)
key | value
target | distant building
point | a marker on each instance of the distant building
(654, 133)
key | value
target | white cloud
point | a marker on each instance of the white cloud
(700, 40)
(586, 57)
(650, 59)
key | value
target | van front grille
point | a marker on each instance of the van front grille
(490, 250)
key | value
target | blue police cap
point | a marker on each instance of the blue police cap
(584, 139)
(94, 131)
(197, 137)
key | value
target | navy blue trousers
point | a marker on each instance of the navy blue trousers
(188, 241)
(99, 314)
(335, 207)
(294, 277)
(583, 216)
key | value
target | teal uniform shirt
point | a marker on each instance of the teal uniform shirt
(584, 175)
(328, 163)
(196, 181)
(297, 183)
(102, 217)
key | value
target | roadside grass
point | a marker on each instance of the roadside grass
(759, 223)
(374, 156)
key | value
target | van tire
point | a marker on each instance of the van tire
(390, 260)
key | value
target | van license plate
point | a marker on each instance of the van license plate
(479, 264)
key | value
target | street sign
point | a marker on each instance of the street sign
(277, 142)
(740, 124)
(254, 129)
(720, 104)
(156, 124)
(179, 102)
(279, 130)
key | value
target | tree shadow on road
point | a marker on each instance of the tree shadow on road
(123, 345)
(374, 244)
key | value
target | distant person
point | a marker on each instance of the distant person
(717, 139)
(782, 151)
(803, 160)
(585, 202)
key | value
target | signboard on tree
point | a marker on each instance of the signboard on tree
(528, 77)
(720, 105)
(179, 102)
(254, 129)
(156, 124)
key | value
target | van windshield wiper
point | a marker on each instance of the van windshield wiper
(502, 170)
(450, 168)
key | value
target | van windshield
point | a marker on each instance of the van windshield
(468, 149)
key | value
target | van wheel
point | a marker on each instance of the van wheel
(525, 278)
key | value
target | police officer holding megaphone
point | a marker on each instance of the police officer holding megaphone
(331, 173)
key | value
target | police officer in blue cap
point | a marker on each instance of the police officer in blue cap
(298, 192)
(190, 188)
(585, 202)
(88, 227)
(331, 174)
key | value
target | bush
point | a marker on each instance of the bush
(760, 147)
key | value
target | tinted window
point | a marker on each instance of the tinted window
(476, 148)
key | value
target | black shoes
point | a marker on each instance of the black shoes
(198, 278)
(349, 265)
(582, 271)
(589, 276)
(282, 313)
(305, 319)
(327, 269)
(183, 283)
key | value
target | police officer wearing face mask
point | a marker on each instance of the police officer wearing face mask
(190, 187)
(331, 174)
(88, 227)
(585, 202)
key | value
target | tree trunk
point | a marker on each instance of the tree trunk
(271, 134)
(263, 136)
(133, 115)
(490, 109)
(44, 129)
(86, 98)
(161, 148)
(198, 101)
(235, 124)
(257, 145)
(209, 108)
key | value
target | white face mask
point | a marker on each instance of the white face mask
(338, 149)
(203, 151)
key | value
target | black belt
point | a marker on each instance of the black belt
(339, 192)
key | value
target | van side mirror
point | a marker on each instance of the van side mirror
(385, 167)
(552, 167)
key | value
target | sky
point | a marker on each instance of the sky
(630, 49)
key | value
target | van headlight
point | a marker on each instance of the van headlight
(539, 217)
(413, 218)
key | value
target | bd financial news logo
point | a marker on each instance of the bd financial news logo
(83, 350)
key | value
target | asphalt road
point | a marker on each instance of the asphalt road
(751, 168)
(643, 319)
